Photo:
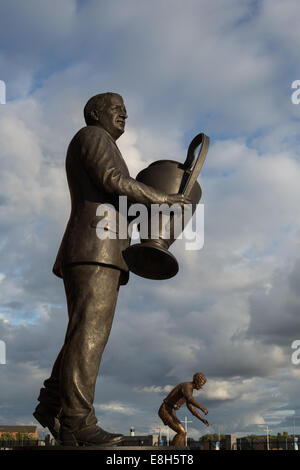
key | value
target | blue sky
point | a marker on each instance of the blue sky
(223, 67)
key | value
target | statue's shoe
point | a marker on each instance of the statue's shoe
(47, 420)
(88, 436)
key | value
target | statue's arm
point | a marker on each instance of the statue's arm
(196, 413)
(97, 156)
(192, 404)
(187, 390)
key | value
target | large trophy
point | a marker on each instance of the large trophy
(150, 258)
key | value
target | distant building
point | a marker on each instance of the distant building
(230, 442)
(30, 431)
(255, 442)
(192, 444)
(149, 440)
(226, 442)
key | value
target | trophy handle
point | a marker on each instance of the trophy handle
(194, 173)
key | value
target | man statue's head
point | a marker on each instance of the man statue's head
(106, 110)
(199, 380)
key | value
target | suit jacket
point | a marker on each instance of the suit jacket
(97, 174)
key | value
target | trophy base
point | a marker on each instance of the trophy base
(150, 260)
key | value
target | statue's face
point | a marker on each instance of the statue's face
(113, 116)
(197, 384)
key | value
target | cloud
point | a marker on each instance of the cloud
(154, 389)
(274, 314)
(116, 407)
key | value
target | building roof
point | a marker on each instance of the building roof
(30, 429)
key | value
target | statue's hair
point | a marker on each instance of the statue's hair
(97, 102)
(199, 378)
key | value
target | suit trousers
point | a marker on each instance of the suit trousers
(91, 292)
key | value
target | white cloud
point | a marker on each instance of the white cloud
(154, 389)
(116, 407)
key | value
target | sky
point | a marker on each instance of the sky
(222, 67)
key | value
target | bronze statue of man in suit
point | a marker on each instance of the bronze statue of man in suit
(182, 393)
(92, 270)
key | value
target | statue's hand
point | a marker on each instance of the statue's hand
(204, 411)
(204, 421)
(178, 199)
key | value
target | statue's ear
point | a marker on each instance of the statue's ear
(94, 115)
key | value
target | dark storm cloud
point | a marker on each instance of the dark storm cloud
(275, 313)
